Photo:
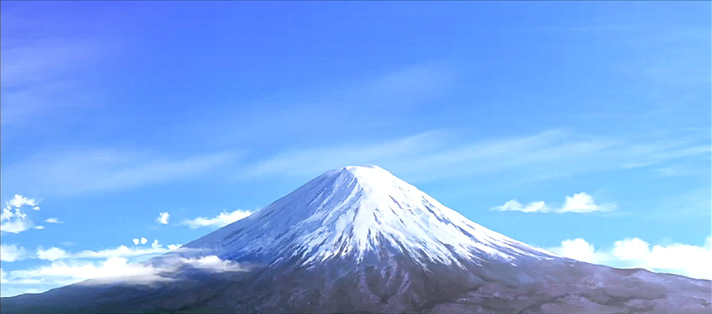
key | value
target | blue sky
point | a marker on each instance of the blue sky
(115, 112)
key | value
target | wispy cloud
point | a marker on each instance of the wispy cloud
(221, 220)
(53, 220)
(11, 252)
(577, 203)
(55, 253)
(440, 154)
(676, 258)
(42, 78)
(43, 75)
(308, 162)
(92, 170)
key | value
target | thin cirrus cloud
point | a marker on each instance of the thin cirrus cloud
(43, 75)
(441, 154)
(221, 220)
(577, 203)
(677, 258)
(53, 220)
(422, 157)
(95, 170)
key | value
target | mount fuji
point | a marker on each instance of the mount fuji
(358, 239)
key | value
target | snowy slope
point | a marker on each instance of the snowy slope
(354, 211)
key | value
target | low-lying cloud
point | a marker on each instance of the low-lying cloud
(677, 258)
(221, 220)
(115, 269)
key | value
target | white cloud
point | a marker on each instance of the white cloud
(15, 226)
(157, 246)
(19, 201)
(677, 258)
(630, 249)
(162, 218)
(51, 254)
(111, 269)
(578, 203)
(62, 273)
(221, 220)
(40, 227)
(53, 220)
(579, 249)
(141, 240)
(55, 253)
(13, 218)
(11, 253)
(213, 263)
(514, 205)
(121, 251)
(583, 203)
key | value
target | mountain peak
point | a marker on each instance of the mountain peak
(356, 212)
(365, 174)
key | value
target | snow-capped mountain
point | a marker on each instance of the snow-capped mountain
(356, 211)
(358, 239)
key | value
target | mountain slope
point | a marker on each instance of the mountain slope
(358, 239)
(359, 210)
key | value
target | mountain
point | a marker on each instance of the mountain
(358, 239)
(359, 213)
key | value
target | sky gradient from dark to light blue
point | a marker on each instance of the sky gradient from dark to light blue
(593, 117)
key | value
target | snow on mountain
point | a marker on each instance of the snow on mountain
(355, 211)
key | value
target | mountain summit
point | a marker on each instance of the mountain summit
(358, 239)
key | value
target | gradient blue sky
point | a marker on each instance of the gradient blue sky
(114, 112)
